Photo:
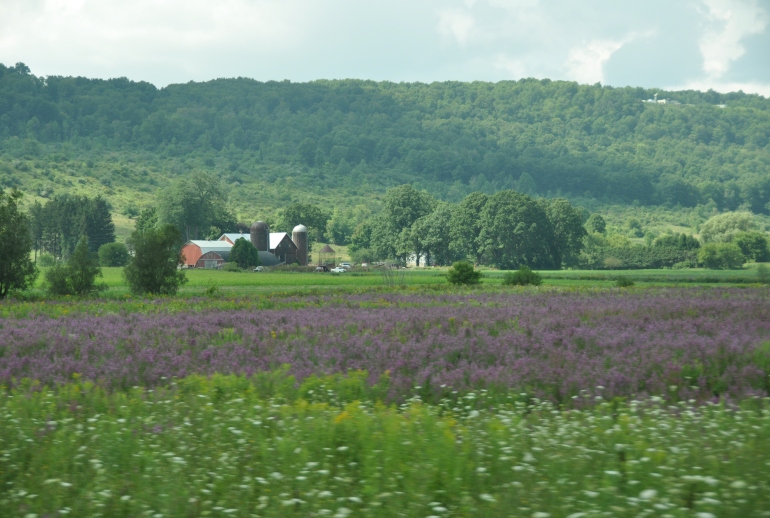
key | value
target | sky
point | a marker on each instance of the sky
(672, 44)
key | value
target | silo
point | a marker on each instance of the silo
(299, 236)
(260, 236)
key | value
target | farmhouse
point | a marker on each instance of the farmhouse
(273, 247)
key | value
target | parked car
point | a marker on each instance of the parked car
(338, 269)
(321, 269)
(345, 265)
(258, 269)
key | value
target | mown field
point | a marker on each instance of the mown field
(272, 281)
(361, 400)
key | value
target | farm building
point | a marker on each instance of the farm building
(274, 247)
(205, 254)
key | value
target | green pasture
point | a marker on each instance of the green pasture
(268, 281)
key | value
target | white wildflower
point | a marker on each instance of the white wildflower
(648, 494)
(487, 497)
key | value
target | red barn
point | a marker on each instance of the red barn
(206, 254)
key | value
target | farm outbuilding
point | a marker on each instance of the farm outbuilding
(205, 254)
(274, 247)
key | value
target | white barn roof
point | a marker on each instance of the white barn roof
(276, 238)
(212, 246)
(234, 236)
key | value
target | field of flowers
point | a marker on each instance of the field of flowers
(543, 403)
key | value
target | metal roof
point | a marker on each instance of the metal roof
(220, 247)
(276, 238)
(234, 236)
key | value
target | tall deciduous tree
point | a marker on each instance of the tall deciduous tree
(404, 205)
(465, 225)
(313, 217)
(516, 231)
(197, 205)
(568, 230)
(17, 271)
(154, 266)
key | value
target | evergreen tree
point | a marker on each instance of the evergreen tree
(17, 271)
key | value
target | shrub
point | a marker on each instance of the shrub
(231, 267)
(78, 275)
(113, 254)
(46, 260)
(721, 256)
(462, 272)
(522, 277)
(623, 282)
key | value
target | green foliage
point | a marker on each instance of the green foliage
(78, 275)
(454, 137)
(243, 254)
(721, 256)
(465, 226)
(17, 271)
(231, 267)
(154, 266)
(763, 274)
(46, 260)
(596, 224)
(724, 227)
(313, 217)
(148, 219)
(58, 225)
(113, 254)
(623, 282)
(197, 204)
(462, 272)
(522, 277)
(568, 231)
(515, 230)
(680, 241)
(754, 246)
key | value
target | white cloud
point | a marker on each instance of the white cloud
(758, 88)
(732, 20)
(457, 24)
(585, 64)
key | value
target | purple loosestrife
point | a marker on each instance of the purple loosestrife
(699, 344)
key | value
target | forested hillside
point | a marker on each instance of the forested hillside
(358, 137)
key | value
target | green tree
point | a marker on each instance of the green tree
(154, 267)
(403, 205)
(596, 224)
(721, 256)
(723, 227)
(515, 230)
(568, 230)
(433, 232)
(113, 254)
(17, 271)
(78, 275)
(148, 218)
(462, 272)
(753, 245)
(244, 254)
(465, 226)
(197, 204)
(83, 269)
(312, 216)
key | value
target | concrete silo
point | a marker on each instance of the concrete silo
(260, 236)
(299, 236)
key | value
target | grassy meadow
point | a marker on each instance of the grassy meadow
(279, 394)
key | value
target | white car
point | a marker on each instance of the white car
(338, 269)
(345, 265)
(258, 269)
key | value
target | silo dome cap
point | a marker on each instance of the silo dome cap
(300, 228)
(259, 225)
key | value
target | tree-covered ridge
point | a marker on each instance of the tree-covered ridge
(533, 135)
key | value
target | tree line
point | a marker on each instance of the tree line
(533, 136)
